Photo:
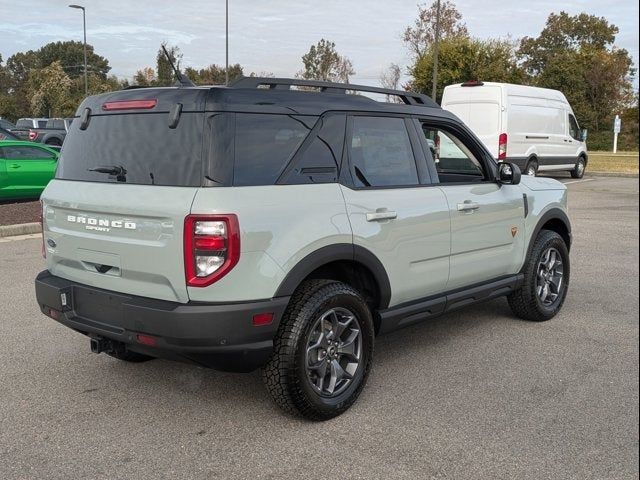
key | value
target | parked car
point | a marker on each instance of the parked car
(7, 135)
(25, 169)
(52, 133)
(6, 124)
(535, 128)
(264, 226)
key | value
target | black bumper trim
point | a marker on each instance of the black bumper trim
(215, 335)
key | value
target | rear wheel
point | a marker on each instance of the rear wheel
(322, 351)
(546, 279)
(578, 171)
(55, 142)
(532, 168)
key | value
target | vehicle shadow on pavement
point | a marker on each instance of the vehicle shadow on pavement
(201, 391)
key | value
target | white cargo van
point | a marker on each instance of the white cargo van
(535, 128)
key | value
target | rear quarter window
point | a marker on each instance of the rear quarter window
(264, 144)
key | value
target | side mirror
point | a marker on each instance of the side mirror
(583, 136)
(509, 174)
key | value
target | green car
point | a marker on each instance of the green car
(25, 169)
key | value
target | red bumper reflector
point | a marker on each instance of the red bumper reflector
(129, 104)
(55, 314)
(261, 319)
(146, 340)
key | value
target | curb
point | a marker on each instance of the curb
(611, 174)
(19, 229)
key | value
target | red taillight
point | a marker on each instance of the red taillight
(44, 250)
(33, 135)
(130, 104)
(211, 247)
(502, 146)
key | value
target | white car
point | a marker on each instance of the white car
(535, 128)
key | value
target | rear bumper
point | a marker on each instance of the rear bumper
(220, 336)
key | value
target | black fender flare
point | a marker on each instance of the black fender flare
(333, 253)
(552, 214)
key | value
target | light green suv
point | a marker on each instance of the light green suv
(262, 226)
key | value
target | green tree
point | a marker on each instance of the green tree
(420, 36)
(463, 58)
(145, 77)
(165, 76)
(323, 62)
(23, 74)
(49, 89)
(214, 74)
(577, 55)
(71, 57)
(7, 102)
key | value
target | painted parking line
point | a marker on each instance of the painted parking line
(20, 237)
(579, 181)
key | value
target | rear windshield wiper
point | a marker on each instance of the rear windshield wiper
(116, 170)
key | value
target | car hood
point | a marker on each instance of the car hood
(541, 183)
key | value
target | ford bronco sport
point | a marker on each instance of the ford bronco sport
(283, 224)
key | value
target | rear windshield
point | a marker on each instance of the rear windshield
(24, 124)
(142, 144)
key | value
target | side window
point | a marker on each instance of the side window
(454, 161)
(26, 153)
(264, 144)
(319, 161)
(380, 153)
(574, 129)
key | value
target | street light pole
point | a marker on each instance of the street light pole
(226, 68)
(436, 47)
(84, 32)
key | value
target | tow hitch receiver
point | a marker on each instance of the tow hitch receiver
(101, 344)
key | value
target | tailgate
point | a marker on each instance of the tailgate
(125, 238)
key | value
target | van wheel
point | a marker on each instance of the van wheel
(546, 279)
(532, 168)
(322, 352)
(578, 171)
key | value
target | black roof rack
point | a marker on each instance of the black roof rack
(409, 98)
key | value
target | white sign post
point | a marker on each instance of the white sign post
(617, 123)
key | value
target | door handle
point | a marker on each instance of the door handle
(468, 206)
(14, 165)
(381, 214)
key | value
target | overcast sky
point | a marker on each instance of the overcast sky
(271, 36)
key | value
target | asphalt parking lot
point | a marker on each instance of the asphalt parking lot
(473, 395)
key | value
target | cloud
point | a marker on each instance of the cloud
(272, 36)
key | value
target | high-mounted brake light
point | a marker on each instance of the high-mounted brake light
(502, 147)
(472, 83)
(130, 105)
(211, 247)
(33, 135)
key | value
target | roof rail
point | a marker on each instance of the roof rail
(409, 98)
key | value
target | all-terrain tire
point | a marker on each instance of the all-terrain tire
(525, 302)
(285, 375)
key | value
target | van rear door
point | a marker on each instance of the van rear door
(114, 215)
(480, 108)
